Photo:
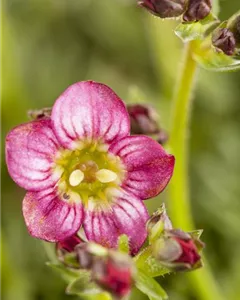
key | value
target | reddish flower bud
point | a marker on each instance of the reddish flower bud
(178, 250)
(69, 244)
(65, 251)
(197, 10)
(144, 120)
(114, 273)
(164, 8)
(223, 39)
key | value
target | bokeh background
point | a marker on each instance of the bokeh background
(50, 44)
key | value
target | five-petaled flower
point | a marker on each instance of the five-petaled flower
(81, 167)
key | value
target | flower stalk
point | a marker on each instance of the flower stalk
(202, 280)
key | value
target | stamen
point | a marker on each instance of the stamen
(76, 177)
(106, 176)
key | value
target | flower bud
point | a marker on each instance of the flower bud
(164, 8)
(224, 40)
(158, 222)
(69, 244)
(197, 10)
(144, 120)
(114, 273)
(39, 113)
(65, 251)
(178, 250)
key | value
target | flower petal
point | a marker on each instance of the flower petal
(127, 216)
(149, 167)
(91, 110)
(49, 218)
(30, 149)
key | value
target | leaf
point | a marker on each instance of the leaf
(68, 274)
(150, 287)
(123, 243)
(197, 30)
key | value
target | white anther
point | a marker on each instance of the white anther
(76, 177)
(105, 175)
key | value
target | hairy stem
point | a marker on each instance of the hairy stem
(202, 281)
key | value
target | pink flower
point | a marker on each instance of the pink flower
(81, 167)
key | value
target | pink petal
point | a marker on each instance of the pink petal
(92, 110)
(127, 216)
(30, 149)
(49, 218)
(149, 167)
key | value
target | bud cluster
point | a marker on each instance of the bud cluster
(226, 37)
(173, 248)
(109, 269)
(190, 10)
(144, 120)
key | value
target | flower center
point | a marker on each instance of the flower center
(89, 174)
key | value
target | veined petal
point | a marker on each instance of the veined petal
(128, 215)
(49, 218)
(149, 167)
(90, 110)
(30, 149)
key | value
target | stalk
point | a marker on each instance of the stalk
(202, 281)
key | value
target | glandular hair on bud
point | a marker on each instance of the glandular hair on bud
(223, 39)
(164, 8)
(197, 10)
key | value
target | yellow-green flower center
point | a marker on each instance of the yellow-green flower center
(89, 174)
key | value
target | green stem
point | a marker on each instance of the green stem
(202, 281)
(179, 206)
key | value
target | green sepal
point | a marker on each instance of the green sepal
(197, 30)
(85, 288)
(196, 234)
(68, 274)
(156, 232)
(70, 259)
(123, 243)
(81, 284)
(210, 59)
(146, 262)
(150, 287)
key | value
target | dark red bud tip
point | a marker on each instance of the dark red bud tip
(164, 8)
(178, 250)
(197, 10)
(223, 39)
(143, 119)
(189, 252)
(115, 274)
(69, 244)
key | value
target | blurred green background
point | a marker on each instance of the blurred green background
(48, 45)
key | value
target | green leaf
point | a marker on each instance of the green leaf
(123, 243)
(197, 30)
(150, 287)
(67, 273)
